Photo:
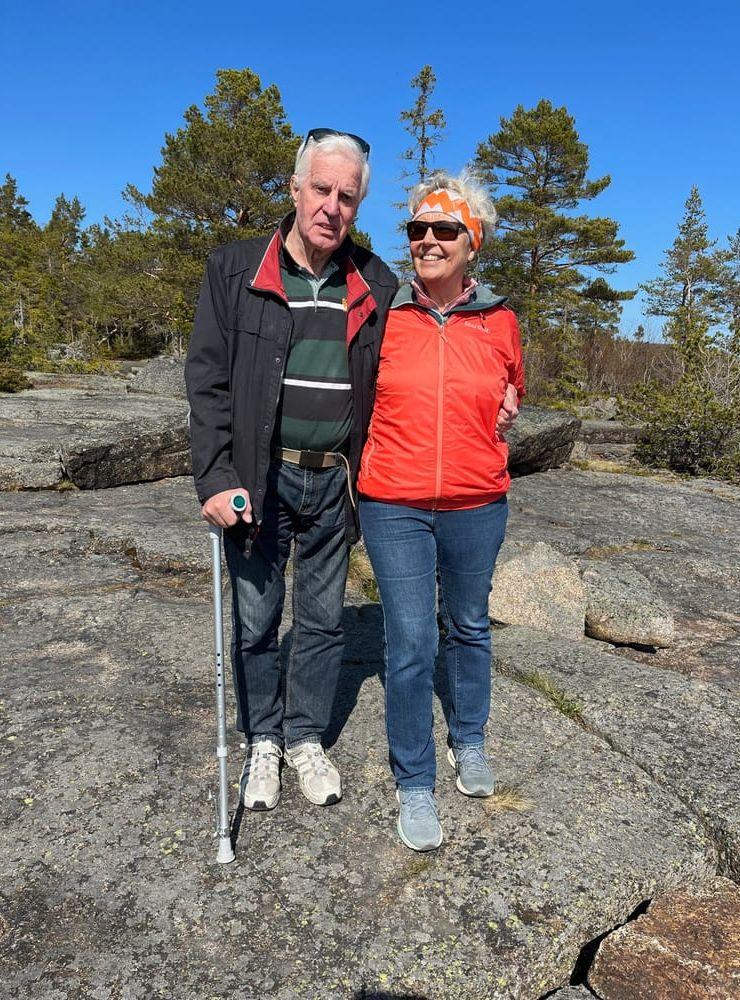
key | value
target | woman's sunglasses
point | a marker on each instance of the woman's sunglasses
(317, 134)
(443, 230)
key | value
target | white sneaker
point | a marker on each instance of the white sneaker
(259, 785)
(319, 779)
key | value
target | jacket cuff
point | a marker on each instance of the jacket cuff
(207, 488)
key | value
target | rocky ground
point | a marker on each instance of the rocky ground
(605, 865)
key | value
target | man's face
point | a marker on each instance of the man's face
(326, 203)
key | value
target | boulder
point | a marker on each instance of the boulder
(94, 439)
(622, 606)
(602, 408)
(77, 380)
(541, 439)
(535, 585)
(162, 376)
(687, 945)
(609, 432)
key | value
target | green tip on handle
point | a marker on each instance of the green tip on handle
(238, 503)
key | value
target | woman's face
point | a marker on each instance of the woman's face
(440, 261)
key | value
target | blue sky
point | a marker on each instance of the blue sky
(87, 91)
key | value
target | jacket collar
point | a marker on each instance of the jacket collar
(482, 298)
(360, 301)
(267, 277)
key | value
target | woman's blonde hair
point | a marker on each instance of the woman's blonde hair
(469, 186)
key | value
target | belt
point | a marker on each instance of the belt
(310, 459)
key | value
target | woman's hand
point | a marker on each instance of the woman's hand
(509, 410)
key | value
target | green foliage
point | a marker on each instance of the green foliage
(689, 430)
(693, 425)
(537, 165)
(130, 287)
(688, 287)
(12, 379)
(426, 127)
(229, 167)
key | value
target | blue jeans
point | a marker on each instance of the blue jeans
(410, 550)
(305, 505)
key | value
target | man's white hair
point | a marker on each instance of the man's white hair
(331, 144)
(468, 186)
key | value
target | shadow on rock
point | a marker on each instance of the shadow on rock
(363, 658)
(373, 995)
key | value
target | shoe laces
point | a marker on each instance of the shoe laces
(419, 802)
(263, 760)
(311, 755)
(474, 760)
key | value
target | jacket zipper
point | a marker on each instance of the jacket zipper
(440, 410)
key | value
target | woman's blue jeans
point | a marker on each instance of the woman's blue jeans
(410, 551)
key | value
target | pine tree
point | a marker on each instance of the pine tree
(19, 249)
(538, 166)
(426, 127)
(692, 425)
(229, 167)
(687, 293)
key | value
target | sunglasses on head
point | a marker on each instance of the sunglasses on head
(317, 134)
(444, 230)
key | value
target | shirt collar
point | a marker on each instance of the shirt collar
(425, 300)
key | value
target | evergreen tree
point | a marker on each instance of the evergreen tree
(543, 252)
(426, 127)
(229, 167)
(19, 252)
(693, 425)
(728, 282)
(687, 293)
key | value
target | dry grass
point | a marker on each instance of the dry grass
(563, 703)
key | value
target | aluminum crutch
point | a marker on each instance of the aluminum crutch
(223, 828)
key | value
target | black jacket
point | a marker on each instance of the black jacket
(237, 355)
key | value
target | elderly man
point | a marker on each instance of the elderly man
(280, 377)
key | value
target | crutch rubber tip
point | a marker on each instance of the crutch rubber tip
(225, 851)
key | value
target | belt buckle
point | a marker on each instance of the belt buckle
(311, 460)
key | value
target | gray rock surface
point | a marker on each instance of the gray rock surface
(682, 732)
(535, 585)
(94, 439)
(110, 749)
(608, 432)
(541, 439)
(617, 777)
(572, 993)
(163, 376)
(622, 606)
(74, 380)
(619, 454)
(683, 536)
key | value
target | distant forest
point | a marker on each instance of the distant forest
(76, 296)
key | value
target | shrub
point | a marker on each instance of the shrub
(689, 430)
(12, 379)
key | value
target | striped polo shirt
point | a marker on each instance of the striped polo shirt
(315, 410)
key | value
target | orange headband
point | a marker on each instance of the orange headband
(452, 204)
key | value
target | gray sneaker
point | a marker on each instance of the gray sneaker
(259, 785)
(474, 774)
(319, 780)
(418, 821)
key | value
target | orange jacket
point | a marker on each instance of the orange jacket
(432, 441)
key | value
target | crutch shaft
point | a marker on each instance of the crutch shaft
(225, 850)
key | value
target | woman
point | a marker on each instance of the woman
(433, 485)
